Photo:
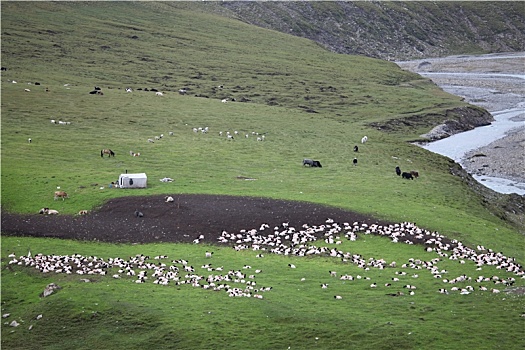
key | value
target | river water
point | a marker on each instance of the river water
(495, 82)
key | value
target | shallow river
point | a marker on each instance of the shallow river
(491, 86)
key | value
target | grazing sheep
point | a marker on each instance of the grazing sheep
(209, 254)
(398, 171)
(364, 139)
(138, 214)
(292, 266)
(355, 161)
(356, 149)
(29, 140)
(83, 212)
(150, 140)
(158, 93)
(224, 100)
(169, 199)
(338, 297)
(415, 174)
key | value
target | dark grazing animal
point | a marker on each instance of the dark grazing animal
(407, 176)
(356, 149)
(398, 171)
(138, 214)
(308, 162)
(312, 163)
(109, 152)
(415, 174)
(355, 161)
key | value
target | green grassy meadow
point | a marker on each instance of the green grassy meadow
(71, 47)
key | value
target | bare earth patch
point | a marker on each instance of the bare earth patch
(183, 220)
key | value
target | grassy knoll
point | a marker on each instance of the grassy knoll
(153, 45)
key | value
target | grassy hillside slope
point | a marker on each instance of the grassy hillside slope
(306, 101)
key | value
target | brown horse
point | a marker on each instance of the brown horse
(108, 152)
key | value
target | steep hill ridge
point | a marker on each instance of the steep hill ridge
(393, 30)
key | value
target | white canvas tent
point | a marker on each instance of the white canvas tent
(133, 180)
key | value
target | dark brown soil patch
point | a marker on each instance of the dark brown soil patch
(183, 220)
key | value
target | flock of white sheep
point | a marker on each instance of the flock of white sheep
(321, 240)
(233, 135)
(303, 242)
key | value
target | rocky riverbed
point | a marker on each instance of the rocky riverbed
(502, 158)
(496, 83)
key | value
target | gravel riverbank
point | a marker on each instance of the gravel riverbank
(503, 158)
(496, 83)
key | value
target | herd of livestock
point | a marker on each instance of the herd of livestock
(399, 278)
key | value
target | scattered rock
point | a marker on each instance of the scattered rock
(50, 289)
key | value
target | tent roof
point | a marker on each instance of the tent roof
(134, 175)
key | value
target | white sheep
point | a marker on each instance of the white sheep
(158, 93)
(169, 199)
(364, 139)
(224, 100)
(48, 211)
(150, 140)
